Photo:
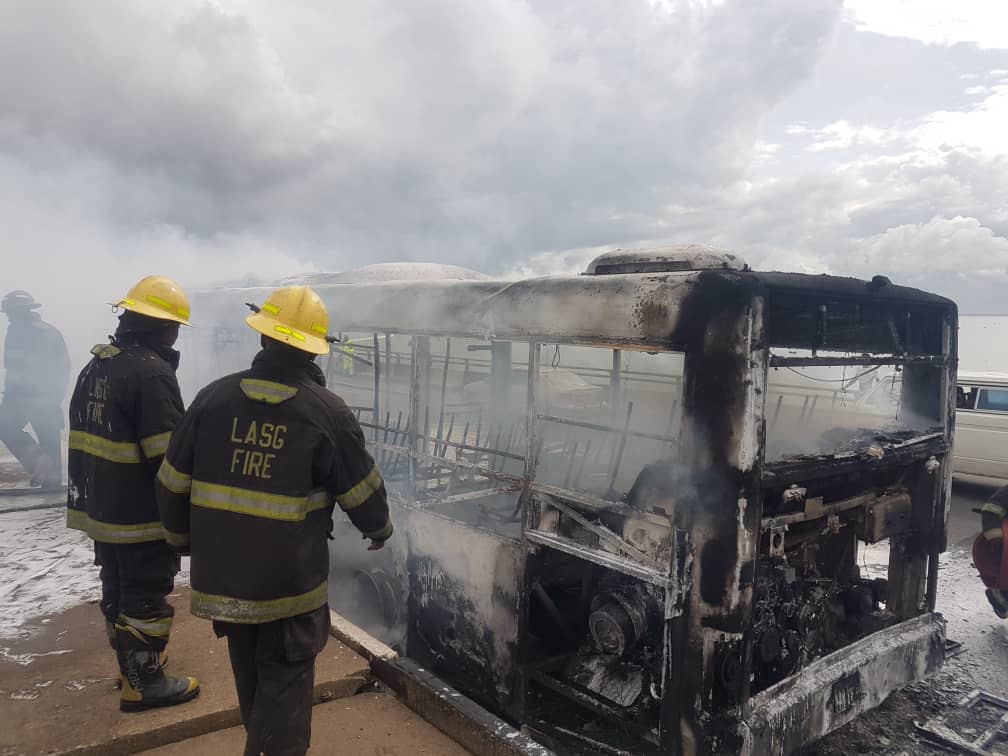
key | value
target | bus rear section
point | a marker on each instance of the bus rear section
(646, 509)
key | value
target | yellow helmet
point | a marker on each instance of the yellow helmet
(157, 297)
(295, 315)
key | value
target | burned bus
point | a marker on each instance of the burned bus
(630, 504)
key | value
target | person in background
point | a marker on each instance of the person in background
(248, 486)
(124, 407)
(37, 368)
(989, 550)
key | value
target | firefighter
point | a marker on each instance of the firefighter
(989, 550)
(124, 407)
(347, 349)
(38, 369)
(248, 485)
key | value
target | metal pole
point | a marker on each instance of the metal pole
(377, 385)
(424, 363)
(395, 441)
(622, 445)
(614, 378)
(383, 455)
(413, 423)
(388, 369)
(533, 442)
(444, 386)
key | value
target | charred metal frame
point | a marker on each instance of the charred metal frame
(480, 591)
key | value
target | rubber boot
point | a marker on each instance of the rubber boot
(145, 685)
(111, 633)
(999, 601)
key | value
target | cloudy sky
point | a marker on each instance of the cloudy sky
(217, 140)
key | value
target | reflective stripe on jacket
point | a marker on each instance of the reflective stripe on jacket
(124, 407)
(249, 485)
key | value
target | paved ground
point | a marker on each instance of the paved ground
(56, 692)
(368, 724)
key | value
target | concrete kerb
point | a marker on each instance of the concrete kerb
(359, 640)
(457, 716)
(159, 736)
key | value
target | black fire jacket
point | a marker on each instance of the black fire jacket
(248, 486)
(35, 360)
(124, 407)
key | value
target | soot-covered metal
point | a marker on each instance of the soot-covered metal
(592, 538)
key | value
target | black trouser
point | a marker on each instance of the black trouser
(274, 670)
(136, 578)
(46, 419)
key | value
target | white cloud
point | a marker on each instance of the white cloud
(763, 151)
(982, 126)
(842, 135)
(942, 246)
(984, 22)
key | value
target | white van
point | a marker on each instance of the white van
(981, 430)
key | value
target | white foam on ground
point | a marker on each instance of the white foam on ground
(45, 568)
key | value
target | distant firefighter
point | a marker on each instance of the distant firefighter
(989, 553)
(38, 370)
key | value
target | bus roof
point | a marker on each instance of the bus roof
(662, 309)
(621, 309)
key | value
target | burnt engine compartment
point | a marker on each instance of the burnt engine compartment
(602, 635)
(810, 597)
(596, 635)
(619, 656)
(599, 632)
(801, 614)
